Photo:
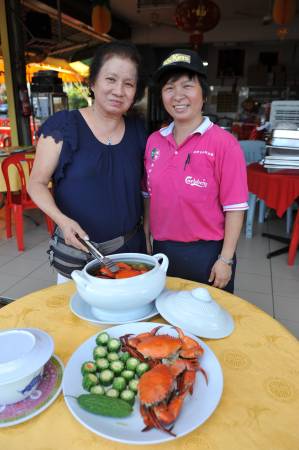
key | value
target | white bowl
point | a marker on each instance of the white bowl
(126, 298)
(196, 312)
(23, 354)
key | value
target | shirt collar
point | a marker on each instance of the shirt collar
(201, 129)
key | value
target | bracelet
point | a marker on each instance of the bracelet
(229, 262)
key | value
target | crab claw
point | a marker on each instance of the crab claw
(190, 347)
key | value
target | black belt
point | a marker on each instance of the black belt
(110, 246)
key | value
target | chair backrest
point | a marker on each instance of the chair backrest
(18, 161)
(253, 150)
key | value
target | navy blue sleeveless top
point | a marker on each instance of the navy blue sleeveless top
(95, 184)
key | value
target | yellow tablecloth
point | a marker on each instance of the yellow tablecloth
(259, 408)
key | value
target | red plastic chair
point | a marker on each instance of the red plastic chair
(294, 243)
(19, 201)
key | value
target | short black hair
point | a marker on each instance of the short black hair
(125, 50)
(178, 73)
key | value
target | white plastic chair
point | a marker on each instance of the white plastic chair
(254, 151)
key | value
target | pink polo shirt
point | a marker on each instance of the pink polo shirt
(192, 185)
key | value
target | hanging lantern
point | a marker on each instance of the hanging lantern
(284, 11)
(282, 33)
(197, 15)
(101, 16)
(196, 39)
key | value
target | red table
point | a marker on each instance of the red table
(279, 191)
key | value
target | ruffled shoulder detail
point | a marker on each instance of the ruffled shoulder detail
(62, 126)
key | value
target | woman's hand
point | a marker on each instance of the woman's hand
(149, 248)
(220, 274)
(69, 228)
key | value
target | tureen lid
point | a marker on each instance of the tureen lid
(195, 311)
(22, 351)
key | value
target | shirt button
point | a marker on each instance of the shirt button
(175, 152)
(152, 164)
(150, 170)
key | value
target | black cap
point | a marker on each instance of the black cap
(181, 59)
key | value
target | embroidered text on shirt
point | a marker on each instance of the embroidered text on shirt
(196, 182)
(204, 152)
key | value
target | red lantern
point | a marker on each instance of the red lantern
(197, 15)
(284, 11)
(101, 16)
(282, 33)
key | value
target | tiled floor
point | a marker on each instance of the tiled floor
(271, 284)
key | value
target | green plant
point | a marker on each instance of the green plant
(78, 95)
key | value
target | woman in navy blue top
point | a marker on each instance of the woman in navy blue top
(94, 157)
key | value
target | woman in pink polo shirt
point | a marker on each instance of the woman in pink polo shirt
(196, 180)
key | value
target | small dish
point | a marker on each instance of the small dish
(39, 400)
(82, 310)
(23, 354)
(196, 312)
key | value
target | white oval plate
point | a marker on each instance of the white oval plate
(196, 410)
(82, 310)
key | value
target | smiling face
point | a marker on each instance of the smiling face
(115, 86)
(183, 99)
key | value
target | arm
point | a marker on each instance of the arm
(45, 162)
(221, 272)
(146, 225)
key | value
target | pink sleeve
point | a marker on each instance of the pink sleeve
(144, 188)
(232, 175)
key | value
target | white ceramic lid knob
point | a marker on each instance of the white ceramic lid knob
(201, 294)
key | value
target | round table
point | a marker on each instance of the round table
(260, 402)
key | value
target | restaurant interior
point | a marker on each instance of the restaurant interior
(251, 55)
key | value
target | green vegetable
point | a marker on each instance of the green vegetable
(113, 345)
(124, 356)
(89, 380)
(114, 393)
(128, 374)
(119, 383)
(106, 377)
(132, 363)
(128, 396)
(142, 368)
(99, 352)
(88, 367)
(102, 363)
(102, 338)
(104, 406)
(133, 385)
(117, 367)
(98, 389)
(113, 356)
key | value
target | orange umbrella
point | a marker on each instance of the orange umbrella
(65, 71)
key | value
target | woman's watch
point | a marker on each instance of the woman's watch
(229, 262)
